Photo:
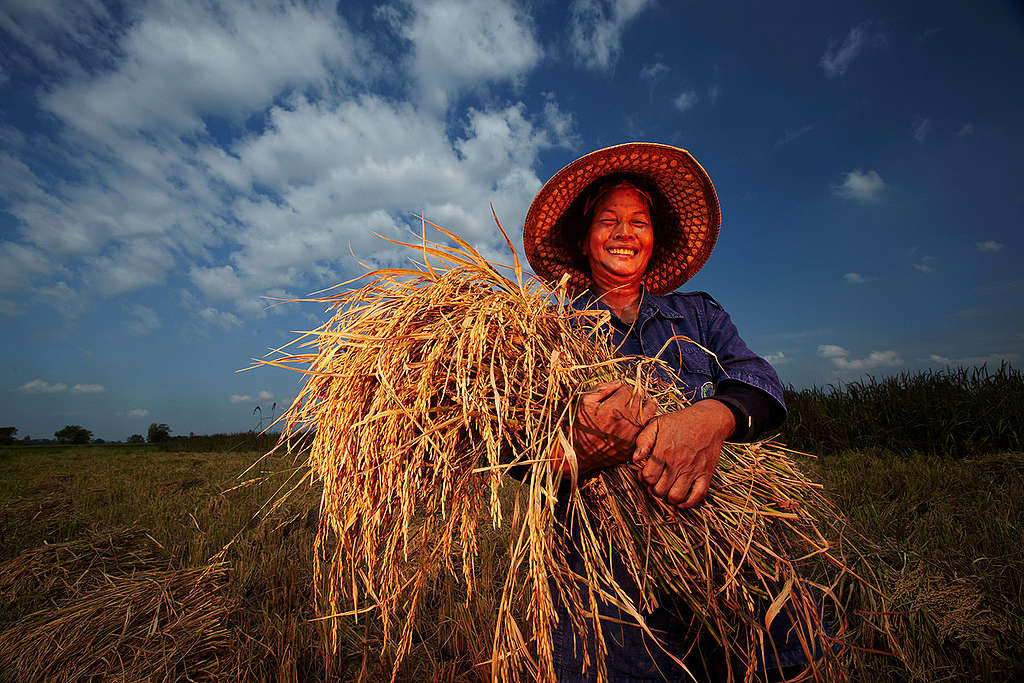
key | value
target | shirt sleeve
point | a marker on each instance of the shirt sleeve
(746, 382)
(756, 412)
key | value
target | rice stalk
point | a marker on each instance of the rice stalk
(153, 625)
(429, 386)
(55, 569)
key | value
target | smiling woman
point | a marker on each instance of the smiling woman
(624, 226)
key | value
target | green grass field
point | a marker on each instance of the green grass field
(102, 550)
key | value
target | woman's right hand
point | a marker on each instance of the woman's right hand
(608, 420)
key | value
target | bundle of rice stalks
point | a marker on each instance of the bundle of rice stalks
(429, 384)
(154, 625)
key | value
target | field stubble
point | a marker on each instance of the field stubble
(89, 535)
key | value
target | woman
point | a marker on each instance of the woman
(628, 225)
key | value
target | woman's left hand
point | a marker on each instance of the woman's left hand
(678, 452)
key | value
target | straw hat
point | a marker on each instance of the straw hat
(685, 215)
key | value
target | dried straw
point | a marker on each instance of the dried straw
(422, 390)
(55, 569)
(153, 625)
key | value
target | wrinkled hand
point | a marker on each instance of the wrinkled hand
(608, 419)
(678, 452)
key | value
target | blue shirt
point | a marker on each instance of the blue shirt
(695, 336)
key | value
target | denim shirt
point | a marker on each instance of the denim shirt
(662, 321)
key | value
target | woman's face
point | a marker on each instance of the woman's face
(620, 238)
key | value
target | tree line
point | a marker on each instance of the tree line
(77, 434)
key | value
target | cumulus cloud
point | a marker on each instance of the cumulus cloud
(153, 192)
(652, 73)
(776, 358)
(87, 389)
(221, 320)
(459, 44)
(685, 100)
(992, 359)
(595, 30)
(793, 134)
(921, 128)
(263, 395)
(20, 264)
(137, 412)
(839, 55)
(187, 58)
(990, 246)
(832, 351)
(862, 187)
(840, 357)
(856, 278)
(923, 264)
(142, 320)
(39, 386)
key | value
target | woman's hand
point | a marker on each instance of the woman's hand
(608, 419)
(678, 452)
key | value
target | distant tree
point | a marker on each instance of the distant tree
(73, 434)
(98, 441)
(7, 435)
(158, 433)
(136, 438)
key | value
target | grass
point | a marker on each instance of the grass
(958, 412)
(81, 525)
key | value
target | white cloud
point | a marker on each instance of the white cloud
(966, 129)
(130, 266)
(142, 321)
(921, 128)
(69, 302)
(151, 193)
(264, 395)
(459, 44)
(989, 245)
(222, 320)
(685, 100)
(240, 398)
(855, 278)
(861, 187)
(714, 92)
(793, 134)
(840, 357)
(38, 386)
(924, 264)
(88, 389)
(184, 58)
(832, 351)
(652, 73)
(777, 358)
(840, 55)
(992, 359)
(595, 30)
(137, 412)
(19, 264)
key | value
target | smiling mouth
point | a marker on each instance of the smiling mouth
(622, 251)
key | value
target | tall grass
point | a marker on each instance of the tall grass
(955, 412)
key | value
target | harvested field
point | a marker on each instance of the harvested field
(946, 536)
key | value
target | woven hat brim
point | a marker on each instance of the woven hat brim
(687, 233)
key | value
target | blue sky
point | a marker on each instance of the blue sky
(165, 165)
